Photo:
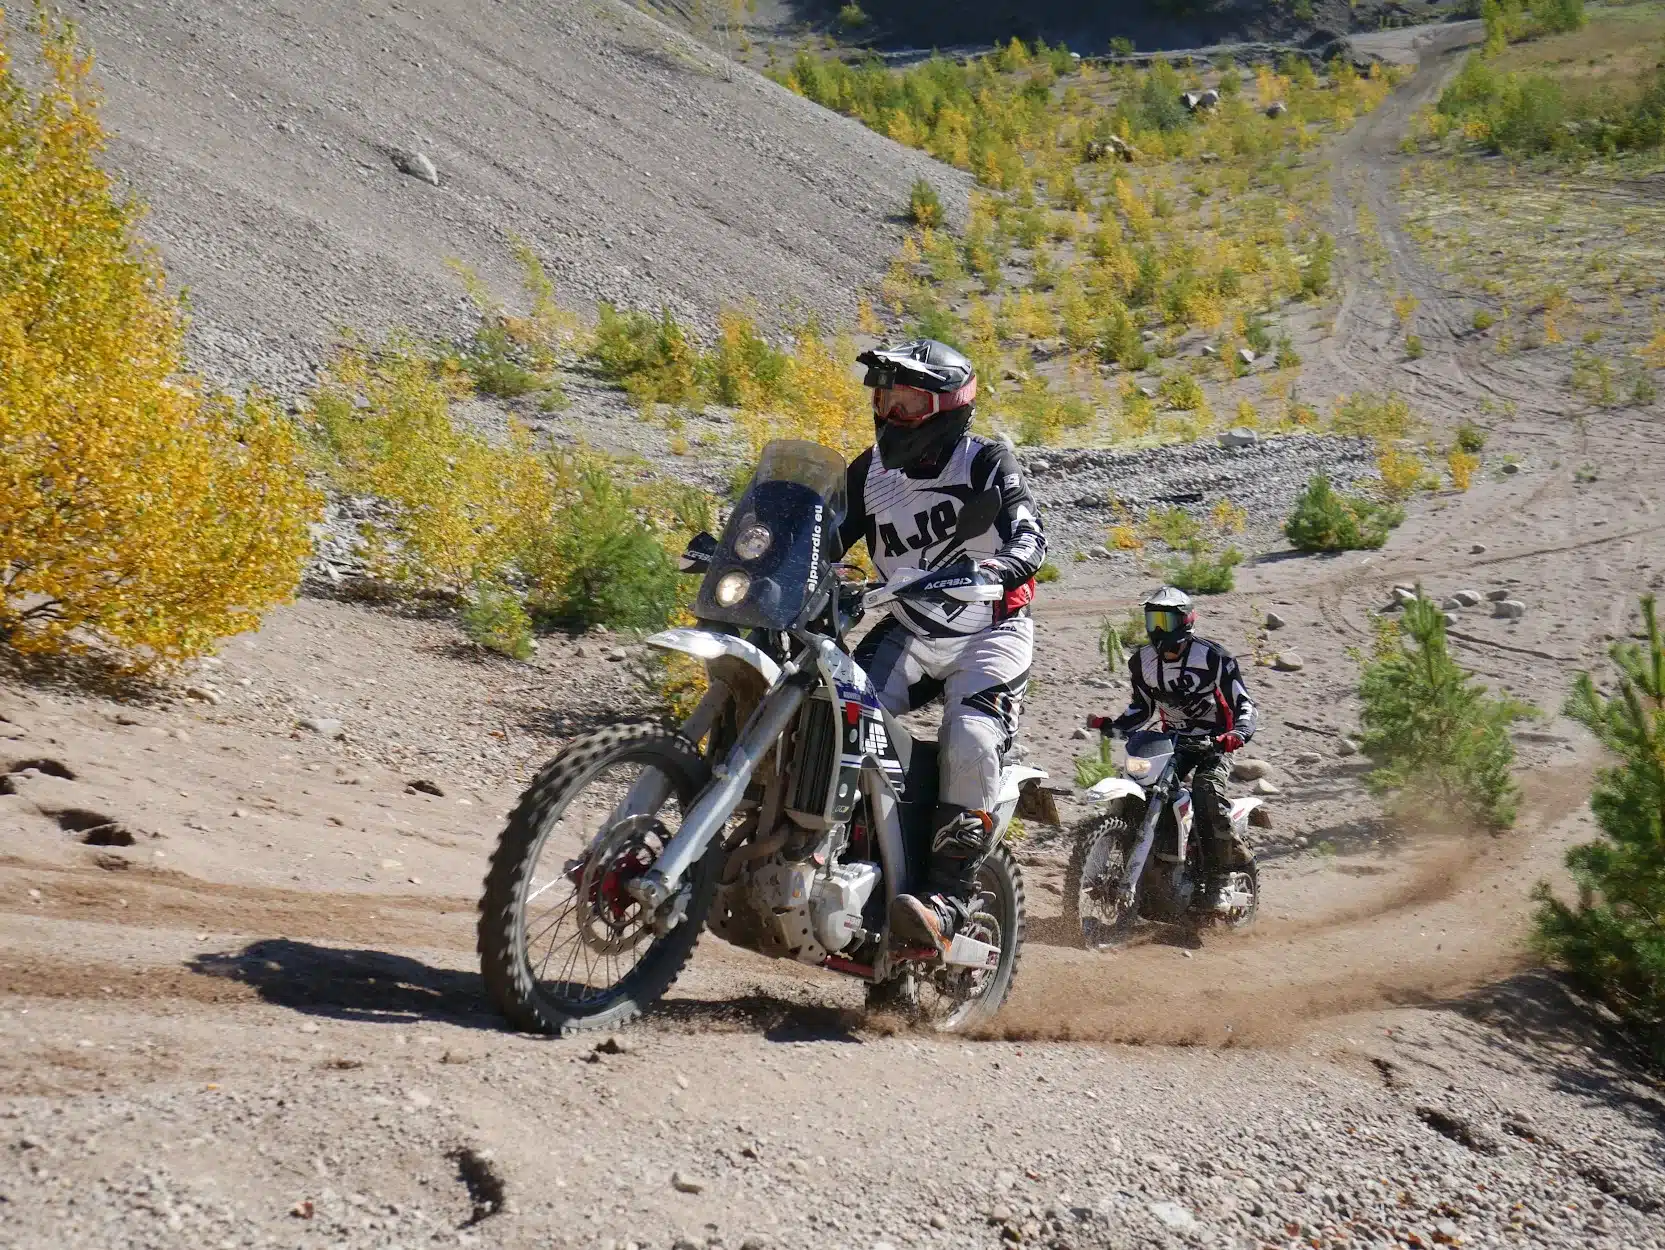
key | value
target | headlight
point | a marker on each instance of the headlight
(1137, 766)
(732, 587)
(754, 540)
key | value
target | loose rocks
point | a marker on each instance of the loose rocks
(1231, 440)
(1497, 595)
(1289, 662)
(1250, 770)
(1274, 621)
(1264, 786)
(1509, 609)
(1467, 598)
(687, 1184)
(324, 725)
(1309, 757)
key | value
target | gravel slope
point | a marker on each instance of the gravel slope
(642, 168)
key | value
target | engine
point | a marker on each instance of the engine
(795, 909)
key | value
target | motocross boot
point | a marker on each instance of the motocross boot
(957, 851)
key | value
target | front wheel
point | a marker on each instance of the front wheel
(1094, 916)
(953, 999)
(564, 946)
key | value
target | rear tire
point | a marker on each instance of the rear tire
(952, 1000)
(1102, 841)
(514, 987)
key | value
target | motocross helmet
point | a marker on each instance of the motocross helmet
(922, 397)
(1169, 617)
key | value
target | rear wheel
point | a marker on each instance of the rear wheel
(953, 999)
(563, 944)
(1243, 894)
(1093, 913)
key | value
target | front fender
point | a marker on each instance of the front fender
(704, 644)
(1113, 788)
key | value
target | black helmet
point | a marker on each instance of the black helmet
(1169, 617)
(922, 397)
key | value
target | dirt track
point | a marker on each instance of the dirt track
(260, 1023)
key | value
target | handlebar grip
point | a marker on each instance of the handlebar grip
(1096, 722)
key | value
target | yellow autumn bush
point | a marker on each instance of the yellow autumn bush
(136, 508)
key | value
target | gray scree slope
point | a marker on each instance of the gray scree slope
(642, 167)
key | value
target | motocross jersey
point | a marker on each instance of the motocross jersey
(908, 520)
(1202, 689)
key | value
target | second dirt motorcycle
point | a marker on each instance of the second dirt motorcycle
(789, 833)
(1137, 859)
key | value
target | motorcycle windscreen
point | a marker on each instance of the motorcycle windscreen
(778, 542)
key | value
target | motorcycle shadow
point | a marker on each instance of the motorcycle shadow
(380, 987)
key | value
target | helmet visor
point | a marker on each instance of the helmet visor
(1164, 620)
(903, 405)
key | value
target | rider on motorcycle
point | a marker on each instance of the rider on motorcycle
(1193, 684)
(905, 497)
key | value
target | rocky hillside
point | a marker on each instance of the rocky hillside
(277, 147)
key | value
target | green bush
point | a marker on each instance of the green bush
(611, 568)
(1435, 736)
(924, 205)
(494, 618)
(1528, 113)
(1202, 572)
(1613, 940)
(1257, 334)
(852, 17)
(1120, 340)
(650, 357)
(1315, 273)
(1325, 520)
(1048, 572)
(1471, 438)
(1094, 768)
(1413, 346)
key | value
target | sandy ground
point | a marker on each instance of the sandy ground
(241, 1007)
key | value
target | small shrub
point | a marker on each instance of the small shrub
(1413, 347)
(1471, 438)
(494, 618)
(1257, 334)
(1094, 768)
(924, 205)
(1365, 414)
(1484, 320)
(137, 509)
(650, 357)
(1435, 736)
(1463, 467)
(1401, 471)
(1316, 272)
(1612, 940)
(1048, 572)
(1204, 573)
(1229, 517)
(1182, 391)
(1121, 46)
(1173, 525)
(605, 566)
(852, 17)
(1325, 520)
(1287, 357)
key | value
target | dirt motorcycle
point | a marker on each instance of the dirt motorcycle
(789, 832)
(1137, 859)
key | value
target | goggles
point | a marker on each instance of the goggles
(1164, 620)
(909, 405)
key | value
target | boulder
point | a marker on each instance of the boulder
(1509, 609)
(1246, 355)
(325, 726)
(1467, 598)
(1288, 662)
(1264, 787)
(1274, 621)
(1477, 549)
(1497, 596)
(1238, 438)
(1309, 757)
(1509, 470)
(1277, 108)
(1346, 747)
(417, 165)
(1403, 596)
(1249, 769)
(1453, 604)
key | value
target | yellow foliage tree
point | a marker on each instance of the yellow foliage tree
(136, 508)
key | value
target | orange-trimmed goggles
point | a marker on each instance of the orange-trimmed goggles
(909, 405)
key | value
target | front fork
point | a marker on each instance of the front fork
(1129, 890)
